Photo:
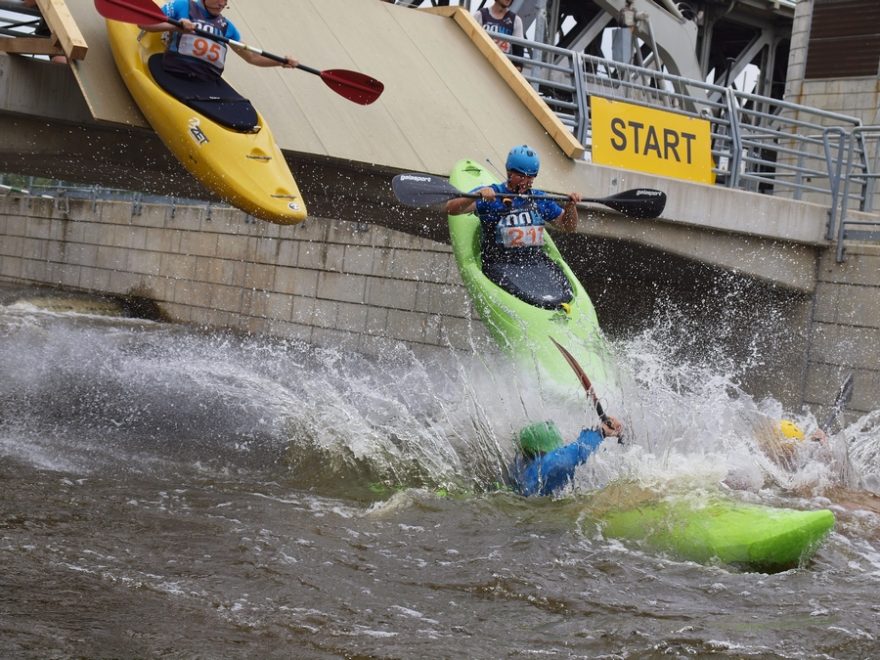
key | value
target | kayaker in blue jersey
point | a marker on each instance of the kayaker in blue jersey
(545, 464)
(193, 56)
(512, 234)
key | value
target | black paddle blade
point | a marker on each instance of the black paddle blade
(844, 394)
(421, 190)
(130, 11)
(637, 203)
(354, 86)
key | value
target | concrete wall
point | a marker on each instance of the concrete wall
(327, 282)
(857, 96)
(845, 328)
(362, 287)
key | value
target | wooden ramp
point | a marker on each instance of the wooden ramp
(444, 98)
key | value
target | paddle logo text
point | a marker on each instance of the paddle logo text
(415, 177)
(196, 132)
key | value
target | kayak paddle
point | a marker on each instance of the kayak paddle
(421, 190)
(585, 381)
(844, 394)
(354, 86)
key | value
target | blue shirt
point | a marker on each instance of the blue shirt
(498, 218)
(194, 55)
(547, 473)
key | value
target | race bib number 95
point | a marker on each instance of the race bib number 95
(212, 52)
(526, 236)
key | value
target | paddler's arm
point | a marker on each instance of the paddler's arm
(568, 219)
(259, 60)
(462, 205)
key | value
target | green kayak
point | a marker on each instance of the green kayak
(521, 329)
(749, 536)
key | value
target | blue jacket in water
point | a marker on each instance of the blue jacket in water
(547, 473)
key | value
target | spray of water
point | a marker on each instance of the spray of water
(79, 392)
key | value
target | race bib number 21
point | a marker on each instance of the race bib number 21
(526, 236)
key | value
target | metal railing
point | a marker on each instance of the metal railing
(864, 148)
(759, 144)
(62, 193)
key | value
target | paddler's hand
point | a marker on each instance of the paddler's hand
(291, 62)
(573, 198)
(187, 25)
(487, 194)
(612, 428)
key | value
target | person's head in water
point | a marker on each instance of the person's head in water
(539, 438)
(522, 168)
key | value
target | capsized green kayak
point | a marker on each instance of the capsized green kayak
(750, 536)
(521, 329)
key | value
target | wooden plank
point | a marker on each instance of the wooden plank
(514, 79)
(443, 100)
(64, 28)
(29, 46)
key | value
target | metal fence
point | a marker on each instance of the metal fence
(61, 193)
(759, 144)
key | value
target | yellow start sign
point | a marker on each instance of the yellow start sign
(635, 138)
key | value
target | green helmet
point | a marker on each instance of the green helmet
(539, 437)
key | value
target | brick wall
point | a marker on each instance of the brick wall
(327, 282)
(361, 287)
(845, 329)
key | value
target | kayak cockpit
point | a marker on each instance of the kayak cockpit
(215, 99)
(535, 279)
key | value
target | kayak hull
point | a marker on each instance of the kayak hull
(749, 536)
(246, 170)
(520, 329)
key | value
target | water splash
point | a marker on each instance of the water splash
(79, 391)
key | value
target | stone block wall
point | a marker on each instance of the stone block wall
(845, 330)
(360, 287)
(328, 282)
(855, 96)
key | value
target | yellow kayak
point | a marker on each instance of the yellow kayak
(243, 167)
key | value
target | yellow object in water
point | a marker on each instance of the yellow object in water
(246, 170)
(790, 430)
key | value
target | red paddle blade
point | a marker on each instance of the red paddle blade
(354, 86)
(585, 380)
(130, 11)
(576, 367)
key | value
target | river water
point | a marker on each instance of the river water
(173, 493)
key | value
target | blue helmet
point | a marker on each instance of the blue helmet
(523, 159)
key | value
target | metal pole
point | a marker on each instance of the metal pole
(541, 21)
